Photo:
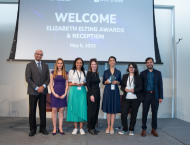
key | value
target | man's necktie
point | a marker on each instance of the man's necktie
(39, 68)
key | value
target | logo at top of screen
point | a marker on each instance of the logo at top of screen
(96, 1)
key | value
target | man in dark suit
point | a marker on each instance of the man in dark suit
(153, 94)
(37, 77)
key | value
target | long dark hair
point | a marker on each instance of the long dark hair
(134, 66)
(93, 60)
(74, 65)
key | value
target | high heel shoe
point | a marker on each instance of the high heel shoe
(54, 133)
(61, 132)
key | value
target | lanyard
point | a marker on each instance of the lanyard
(78, 76)
(130, 81)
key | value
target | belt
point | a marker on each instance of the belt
(150, 92)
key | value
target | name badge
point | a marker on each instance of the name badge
(79, 88)
(112, 87)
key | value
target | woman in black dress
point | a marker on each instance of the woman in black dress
(93, 96)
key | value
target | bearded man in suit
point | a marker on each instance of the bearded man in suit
(153, 94)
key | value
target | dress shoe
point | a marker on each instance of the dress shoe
(44, 132)
(62, 133)
(92, 131)
(143, 133)
(96, 131)
(154, 132)
(32, 133)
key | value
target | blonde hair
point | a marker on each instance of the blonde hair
(64, 74)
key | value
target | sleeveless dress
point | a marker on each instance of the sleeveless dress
(59, 88)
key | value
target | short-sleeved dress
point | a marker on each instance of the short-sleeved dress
(77, 101)
(59, 88)
(111, 98)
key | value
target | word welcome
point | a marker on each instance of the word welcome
(86, 18)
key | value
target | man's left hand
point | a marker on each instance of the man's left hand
(160, 100)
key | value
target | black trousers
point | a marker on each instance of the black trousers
(150, 99)
(93, 108)
(33, 99)
(128, 104)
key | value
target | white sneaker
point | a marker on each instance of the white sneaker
(131, 133)
(82, 132)
(122, 132)
(74, 131)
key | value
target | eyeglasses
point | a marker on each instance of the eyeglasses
(131, 67)
(39, 54)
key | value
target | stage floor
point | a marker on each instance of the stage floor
(14, 131)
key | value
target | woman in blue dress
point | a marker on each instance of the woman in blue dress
(59, 86)
(111, 98)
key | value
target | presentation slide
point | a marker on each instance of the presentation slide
(87, 29)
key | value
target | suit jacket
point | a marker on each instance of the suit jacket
(157, 82)
(138, 89)
(34, 79)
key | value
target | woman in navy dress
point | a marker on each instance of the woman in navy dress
(111, 98)
(59, 78)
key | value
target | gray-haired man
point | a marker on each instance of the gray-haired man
(37, 77)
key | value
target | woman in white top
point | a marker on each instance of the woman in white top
(132, 87)
(77, 98)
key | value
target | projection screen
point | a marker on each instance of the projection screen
(87, 29)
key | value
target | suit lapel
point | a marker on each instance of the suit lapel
(145, 78)
(35, 66)
(126, 79)
(135, 78)
(155, 74)
(42, 65)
